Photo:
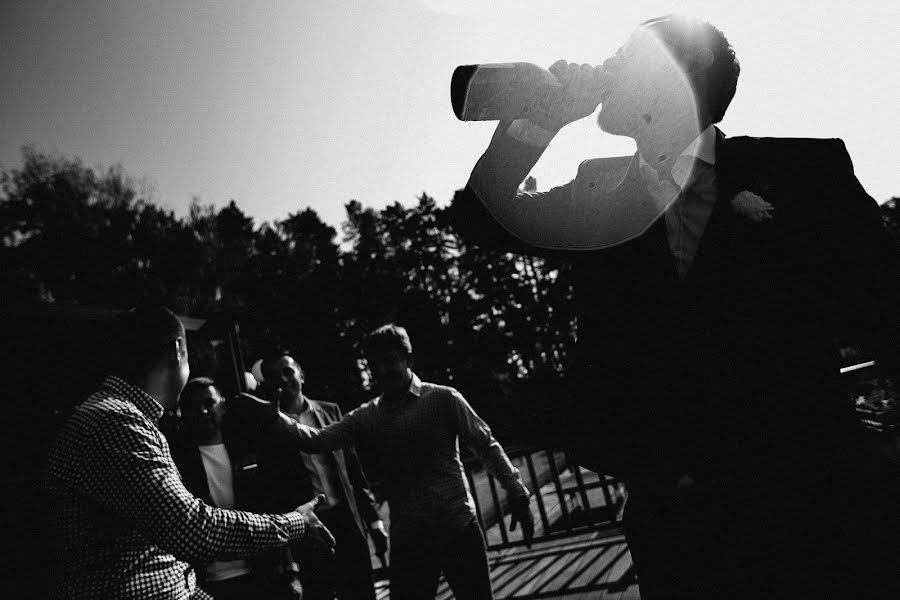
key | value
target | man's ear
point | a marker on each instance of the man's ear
(177, 349)
(410, 360)
(701, 60)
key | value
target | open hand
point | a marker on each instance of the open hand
(520, 514)
(316, 532)
(578, 97)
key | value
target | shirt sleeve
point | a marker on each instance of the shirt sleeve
(475, 433)
(345, 433)
(135, 479)
(558, 220)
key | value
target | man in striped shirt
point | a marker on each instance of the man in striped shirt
(121, 522)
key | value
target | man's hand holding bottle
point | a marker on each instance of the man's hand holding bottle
(580, 92)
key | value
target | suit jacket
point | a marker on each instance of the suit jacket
(281, 481)
(732, 372)
(353, 480)
(251, 488)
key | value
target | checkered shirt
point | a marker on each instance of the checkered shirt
(417, 439)
(122, 524)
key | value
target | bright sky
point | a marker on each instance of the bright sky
(284, 105)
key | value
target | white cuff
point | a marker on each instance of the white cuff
(527, 132)
(379, 524)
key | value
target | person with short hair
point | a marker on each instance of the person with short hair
(416, 428)
(226, 474)
(121, 523)
(712, 276)
(348, 510)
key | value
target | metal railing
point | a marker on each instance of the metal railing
(568, 499)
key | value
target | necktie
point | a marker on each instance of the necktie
(687, 217)
(663, 189)
(686, 210)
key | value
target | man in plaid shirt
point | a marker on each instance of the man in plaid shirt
(122, 524)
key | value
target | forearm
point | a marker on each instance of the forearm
(336, 436)
(151, 495)
(499, 465)
(575, 216)
(513, 151)
(496, 177)
(491, 186)
(475, 433)
(204, 533)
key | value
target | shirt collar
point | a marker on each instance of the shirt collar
(415, 386)
(703, 148)
(146, 403)
(307, 404)
(415, 390)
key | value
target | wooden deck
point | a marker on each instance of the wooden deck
(588, 563)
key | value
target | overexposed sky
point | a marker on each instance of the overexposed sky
(284, 105)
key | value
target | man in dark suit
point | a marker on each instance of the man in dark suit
(349, 507)
(225, 472)
(712, 277)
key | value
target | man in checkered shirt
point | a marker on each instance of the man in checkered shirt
(122, 524)
(416, 428)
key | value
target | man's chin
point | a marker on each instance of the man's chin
(286, 401)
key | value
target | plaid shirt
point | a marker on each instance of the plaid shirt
(122, 523)
(417, 439)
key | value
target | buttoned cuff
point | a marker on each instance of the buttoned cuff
(527, 132)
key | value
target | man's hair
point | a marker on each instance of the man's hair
(141, 337)
(684, 36)
(194, 386)
(388, 338)
(274, 353)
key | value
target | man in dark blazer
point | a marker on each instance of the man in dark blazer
(224, 471)
(712, 278)
(349, 506)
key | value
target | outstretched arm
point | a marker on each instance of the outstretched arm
(260, 418)
(345, 433)
(492, 213)
(134, 478)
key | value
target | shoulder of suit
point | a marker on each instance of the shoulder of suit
(329, 408)
(799, 152)
(605, 166)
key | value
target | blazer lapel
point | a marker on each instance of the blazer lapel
(194, 473)
(316, 410)
(340, 463)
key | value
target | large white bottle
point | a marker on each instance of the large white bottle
(499, 91)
